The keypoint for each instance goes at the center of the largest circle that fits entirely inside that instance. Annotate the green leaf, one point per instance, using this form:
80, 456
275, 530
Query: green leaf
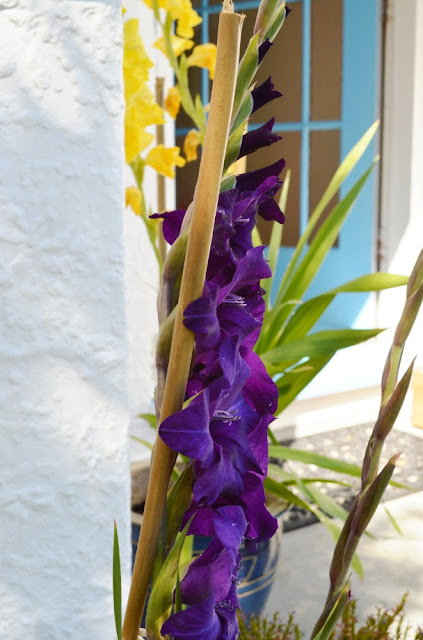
305, 317
309, 457
276, 237
144, 442
322, 242
393, 521
150, 418
161, 597
371, 282
256, 238
246, 72
295, 380
327, 504
340, 175
274, 322
117, 585
317, 344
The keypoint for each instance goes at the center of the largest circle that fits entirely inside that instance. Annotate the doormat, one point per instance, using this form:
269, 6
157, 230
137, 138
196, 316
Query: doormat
349, 445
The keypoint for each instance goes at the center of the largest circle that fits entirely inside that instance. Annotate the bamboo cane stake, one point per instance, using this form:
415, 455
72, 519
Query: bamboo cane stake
204, 210
161, 180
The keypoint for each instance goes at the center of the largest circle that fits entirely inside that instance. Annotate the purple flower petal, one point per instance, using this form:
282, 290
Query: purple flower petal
188, 432
258, 138
172, 222
263, 49
253, 179
259, 389
230, 525
195, 623
264, 93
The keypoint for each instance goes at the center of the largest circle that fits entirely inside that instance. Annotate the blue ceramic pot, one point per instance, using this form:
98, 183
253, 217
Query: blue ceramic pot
257, 571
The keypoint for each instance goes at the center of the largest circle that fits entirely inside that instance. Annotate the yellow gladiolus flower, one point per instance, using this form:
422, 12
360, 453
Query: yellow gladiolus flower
179, 45
182, 11
133, 199
191, 142
204, 55
164, 159
141, 112
136, 62
173, 102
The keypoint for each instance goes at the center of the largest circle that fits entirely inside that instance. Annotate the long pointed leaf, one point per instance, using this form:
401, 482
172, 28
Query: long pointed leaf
117, 585
293, 382
371, 282
322, 242
317, 344
341, 173
305, 317
309, 457
276, 238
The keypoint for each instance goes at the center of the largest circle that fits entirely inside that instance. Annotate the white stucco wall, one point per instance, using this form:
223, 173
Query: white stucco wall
64, 461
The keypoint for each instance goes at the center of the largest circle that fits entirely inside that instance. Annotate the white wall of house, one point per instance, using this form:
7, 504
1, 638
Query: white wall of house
402, 168
64, 458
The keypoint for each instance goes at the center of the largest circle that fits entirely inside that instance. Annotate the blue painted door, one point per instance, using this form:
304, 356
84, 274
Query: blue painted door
326, 62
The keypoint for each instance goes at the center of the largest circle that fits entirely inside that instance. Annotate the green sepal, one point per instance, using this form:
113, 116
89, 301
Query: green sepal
246, 72
334, 615
276, 23
228, 182
161, 597
233, 147
244, 112
178, 500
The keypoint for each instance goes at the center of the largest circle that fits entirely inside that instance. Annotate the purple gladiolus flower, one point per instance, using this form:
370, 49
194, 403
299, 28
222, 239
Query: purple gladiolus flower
258, 138
264, 93
263, 49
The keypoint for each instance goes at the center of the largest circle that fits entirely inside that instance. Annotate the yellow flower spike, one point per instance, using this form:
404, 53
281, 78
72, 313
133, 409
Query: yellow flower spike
179, 45
191, 142
204, 55
173, 102
133, 199
164, 159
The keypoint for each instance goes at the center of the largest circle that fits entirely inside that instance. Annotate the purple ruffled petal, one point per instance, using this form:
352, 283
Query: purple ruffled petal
172, 222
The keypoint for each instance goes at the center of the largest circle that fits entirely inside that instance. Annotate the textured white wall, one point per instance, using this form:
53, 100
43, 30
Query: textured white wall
64, 463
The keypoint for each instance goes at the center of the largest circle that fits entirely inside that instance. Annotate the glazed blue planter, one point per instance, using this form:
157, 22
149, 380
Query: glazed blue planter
257, 571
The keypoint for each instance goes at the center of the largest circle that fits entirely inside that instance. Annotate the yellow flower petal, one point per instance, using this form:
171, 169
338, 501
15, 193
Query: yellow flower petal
187, 18
173, 102
141, 112
133, 199
191, 142
164, 159
204, 55
136, 63
179, 45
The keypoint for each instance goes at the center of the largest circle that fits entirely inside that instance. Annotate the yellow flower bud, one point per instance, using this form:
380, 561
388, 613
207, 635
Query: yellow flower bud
133, 199
173, 102
191, 142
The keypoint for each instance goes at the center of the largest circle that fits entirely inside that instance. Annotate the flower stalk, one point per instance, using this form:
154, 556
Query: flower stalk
201, 228
373, 484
